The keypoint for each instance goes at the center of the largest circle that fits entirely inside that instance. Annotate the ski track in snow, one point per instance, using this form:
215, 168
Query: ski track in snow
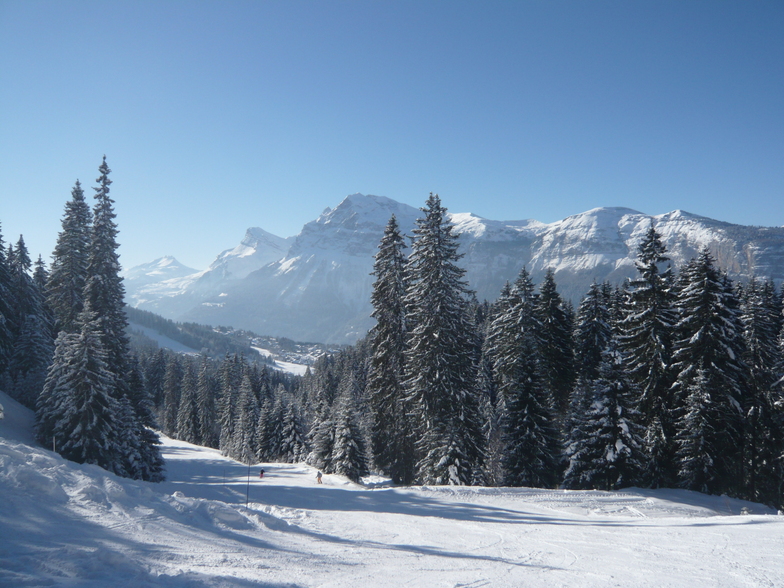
64, 524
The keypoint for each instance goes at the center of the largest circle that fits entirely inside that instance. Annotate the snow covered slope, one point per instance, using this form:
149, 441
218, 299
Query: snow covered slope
162, 340
65, 524
319, 290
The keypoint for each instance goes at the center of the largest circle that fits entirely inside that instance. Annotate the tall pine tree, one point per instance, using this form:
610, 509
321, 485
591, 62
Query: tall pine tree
348, 450
646, 340
605, 449
532, 451
32, 343
592, 331
440, 373
134, 447
68, 272
391, 432
555, 342
763, 402
76, 408
711, 379
104, 286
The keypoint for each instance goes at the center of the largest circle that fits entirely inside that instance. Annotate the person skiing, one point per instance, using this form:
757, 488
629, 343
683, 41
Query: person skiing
261, 473
318, 477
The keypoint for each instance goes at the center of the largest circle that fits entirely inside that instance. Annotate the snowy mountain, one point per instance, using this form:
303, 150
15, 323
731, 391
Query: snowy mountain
214, 524
161, 270
257, 249
171, 293
319, 289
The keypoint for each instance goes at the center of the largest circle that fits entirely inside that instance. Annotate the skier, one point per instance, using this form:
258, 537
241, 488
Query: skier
261, 473
318, 477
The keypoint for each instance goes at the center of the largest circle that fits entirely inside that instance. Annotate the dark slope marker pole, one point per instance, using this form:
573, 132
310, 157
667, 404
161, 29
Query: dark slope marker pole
247, 489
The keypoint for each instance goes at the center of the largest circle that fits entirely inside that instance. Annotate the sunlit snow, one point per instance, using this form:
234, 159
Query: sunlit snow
65, 524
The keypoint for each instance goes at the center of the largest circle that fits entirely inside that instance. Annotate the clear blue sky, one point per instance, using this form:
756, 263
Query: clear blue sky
217, 116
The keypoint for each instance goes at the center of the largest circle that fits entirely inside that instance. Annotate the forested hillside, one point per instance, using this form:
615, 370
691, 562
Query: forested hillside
670, 380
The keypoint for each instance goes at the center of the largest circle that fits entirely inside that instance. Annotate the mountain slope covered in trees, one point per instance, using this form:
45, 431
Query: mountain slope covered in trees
329, 264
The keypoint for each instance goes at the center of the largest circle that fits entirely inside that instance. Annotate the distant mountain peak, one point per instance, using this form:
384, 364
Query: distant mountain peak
255, 235
163, 268
362, 207
257, 248
682, 215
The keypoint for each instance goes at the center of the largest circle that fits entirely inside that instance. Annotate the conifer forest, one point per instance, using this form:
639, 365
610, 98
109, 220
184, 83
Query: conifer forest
672, 379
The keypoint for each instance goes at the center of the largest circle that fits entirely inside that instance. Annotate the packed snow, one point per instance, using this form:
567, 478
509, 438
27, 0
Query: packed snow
65, 524
289, 367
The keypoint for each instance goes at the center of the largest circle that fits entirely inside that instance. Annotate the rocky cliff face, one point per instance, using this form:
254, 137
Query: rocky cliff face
320, 290
316, 286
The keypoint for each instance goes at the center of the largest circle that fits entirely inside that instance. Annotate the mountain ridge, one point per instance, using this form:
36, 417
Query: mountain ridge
319, 288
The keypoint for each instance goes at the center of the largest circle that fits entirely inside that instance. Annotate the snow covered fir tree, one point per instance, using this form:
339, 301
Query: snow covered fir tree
64, 349
440, 356
531, 453
671, 379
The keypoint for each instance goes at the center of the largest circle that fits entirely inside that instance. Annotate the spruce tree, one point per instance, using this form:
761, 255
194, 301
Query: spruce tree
646, 341
275, 430
54, 393
243, 447
104, 286
532, 451
141, 422
579, 427
230, 379
264, 431
764, 403
321, 438
710, 382
24, 296
606, 447
172, 386
154, 374
30, 360
205, 403
391, 432
440, 376
592, 331
77, 407
68, 272
698, 446
555, 343
489, 407
32, 344
293, 448
139, 395
188, 428
348, 450
104, 295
